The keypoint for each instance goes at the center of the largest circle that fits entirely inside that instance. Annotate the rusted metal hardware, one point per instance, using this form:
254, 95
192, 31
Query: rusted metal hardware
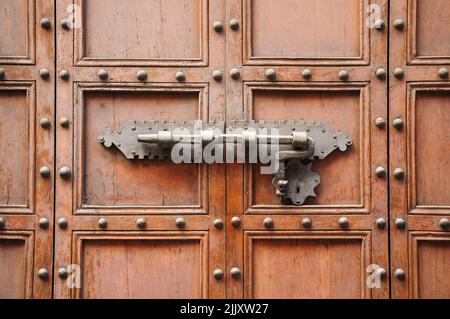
298, 145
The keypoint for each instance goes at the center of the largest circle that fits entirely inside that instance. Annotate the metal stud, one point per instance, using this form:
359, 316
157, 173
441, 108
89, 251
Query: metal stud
64, 122
65, 172
444, 223
399, 73
44, 74
2, 74
217, 75
236, 222
180, 223
234, 24
63, 223
103, 74
180, 76
399, 173
235, 74
2, 223
102, 223
381, 74
218, 274
381, 273
142, 75
235, 273
400, 223
343, 75
380, 172
307, 223
344, 222
271, 74
65, 24
268, 223
307, 74
64, 75
380, 24
399, 24
381, 223
218, 26
43, 274
443, 73
141, 223
63, 273
46, 123
45, 172
380, 122
400, 274
44, 223
398, 123
218, 223
46, 23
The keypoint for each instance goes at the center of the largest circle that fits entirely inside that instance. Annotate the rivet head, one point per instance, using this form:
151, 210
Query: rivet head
63, 223
235, 273
44, 223
180, 223
43, 274
307, 223
46, 23
64, 122
2, 74
381, 74
399, 24
268, 223
45, 122
399, 173
381, 223
343, 75
380, 122
236, 222
344, 222
45, 172
398, 123
381, 273
218, 274
63, 273
307, 74
44, 74
65, 24
444, 223
180, 76
2, 223
103, 74
380, 172
65, 172
218, 223
235, 74
218, 26
217, 75
64, 75
399, 73
400, 223
443, 73
380, 24
141, 223
400, 274
142, 75
271, 74
234, 24
102, 223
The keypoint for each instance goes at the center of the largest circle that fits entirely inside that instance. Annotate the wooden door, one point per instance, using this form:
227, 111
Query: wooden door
174, 48
420, 139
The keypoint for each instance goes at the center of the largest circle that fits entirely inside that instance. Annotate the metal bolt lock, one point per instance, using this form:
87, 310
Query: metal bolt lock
64, 75
380, 122
43, 274
64, 122
46, 123
2, 74
381, 223
235, 74
380, 172
218, 223
102, 223
142, 75
400, 223
307, 223
381, 273
307, 74
218, 26
103, 74
271, 74
2, 223
236, 222
65, 24
234, 24
381, 74
218, 274
400, 274
398, 123
217, 75
63, 223
235, 273
444, 223
399, 173
180, 76
343, 75
399, 24
63, 273
268, 223
344, 222
443, 73
141, 223
65, 172
399, 73
46, 23
180, 223
44, 74
44, 223
45, 172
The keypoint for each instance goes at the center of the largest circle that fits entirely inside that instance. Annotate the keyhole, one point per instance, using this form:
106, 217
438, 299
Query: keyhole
298, 189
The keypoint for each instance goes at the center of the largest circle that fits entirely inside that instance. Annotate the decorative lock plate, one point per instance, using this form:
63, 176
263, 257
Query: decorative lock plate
292, 145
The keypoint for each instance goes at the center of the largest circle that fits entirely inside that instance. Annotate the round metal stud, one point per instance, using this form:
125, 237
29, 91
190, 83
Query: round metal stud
444, 223
398, 123
217, 75
142, 75
380, 172
235, 273
65, 172
141, 223
399, 173
381, 273
44, 223
63, 273
344, 222
103, 74
44, 74
43, 274
2, 223
235, 74
381, 223
400, 274
307, 223
180, 222
64, 122
234, 24
307, 74
271, 74
102, 223
45, 172
218, 274
46, 123
399, 24
63, 223
400, 223
218, 26
180, 76
380, 24
268, 223
2, 74
46, 23
65, 24
343, 75
443, 73
218, 223
381, 74
399, 73
64, 75
380, 122
236, 222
